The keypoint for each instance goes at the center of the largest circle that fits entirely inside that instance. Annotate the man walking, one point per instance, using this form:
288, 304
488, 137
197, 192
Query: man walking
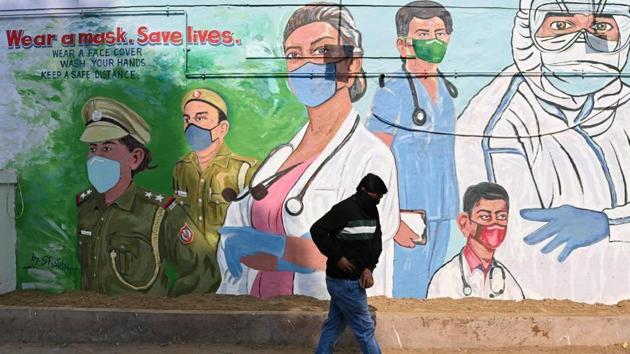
349, 235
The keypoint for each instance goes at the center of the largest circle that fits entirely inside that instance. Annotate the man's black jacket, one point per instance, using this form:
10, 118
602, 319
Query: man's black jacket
350, 229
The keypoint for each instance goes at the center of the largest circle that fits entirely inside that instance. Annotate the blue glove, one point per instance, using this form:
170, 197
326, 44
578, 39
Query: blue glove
246, 241
567, 224
286, 266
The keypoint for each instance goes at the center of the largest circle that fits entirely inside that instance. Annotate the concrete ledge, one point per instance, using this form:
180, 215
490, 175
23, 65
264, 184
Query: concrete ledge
394, 330
500, 331
82, 325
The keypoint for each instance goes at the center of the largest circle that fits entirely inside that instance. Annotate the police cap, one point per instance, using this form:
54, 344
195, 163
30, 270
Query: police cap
210, 97
107, 119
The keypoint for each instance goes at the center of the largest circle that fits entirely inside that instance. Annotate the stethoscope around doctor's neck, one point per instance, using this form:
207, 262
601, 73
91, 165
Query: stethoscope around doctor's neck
467, 289
419, 116
294, 205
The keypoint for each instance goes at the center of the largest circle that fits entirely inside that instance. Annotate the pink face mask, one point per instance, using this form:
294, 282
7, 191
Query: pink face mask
491, 236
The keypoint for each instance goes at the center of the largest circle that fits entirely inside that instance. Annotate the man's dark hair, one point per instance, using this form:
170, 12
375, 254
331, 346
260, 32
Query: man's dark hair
131, 143
484, 190
423, 10
222, 117
373, 184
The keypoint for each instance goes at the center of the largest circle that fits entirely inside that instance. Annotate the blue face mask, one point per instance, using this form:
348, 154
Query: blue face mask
315, 90
199, 138
577, 85
103, 173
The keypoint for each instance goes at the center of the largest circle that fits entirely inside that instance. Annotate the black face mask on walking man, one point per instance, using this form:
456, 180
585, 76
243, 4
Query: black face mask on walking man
370, 191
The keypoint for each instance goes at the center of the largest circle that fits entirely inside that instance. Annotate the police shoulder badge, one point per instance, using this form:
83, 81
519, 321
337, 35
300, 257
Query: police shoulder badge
186, 235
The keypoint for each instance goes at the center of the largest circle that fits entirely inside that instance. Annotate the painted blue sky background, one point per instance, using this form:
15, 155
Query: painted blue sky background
480, 42
477, 44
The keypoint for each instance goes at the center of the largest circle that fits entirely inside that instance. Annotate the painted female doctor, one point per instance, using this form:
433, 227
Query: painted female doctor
265, 248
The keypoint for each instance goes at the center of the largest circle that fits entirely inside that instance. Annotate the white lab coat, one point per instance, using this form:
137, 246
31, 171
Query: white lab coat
447, 282
337, 180
551, 171
550, 164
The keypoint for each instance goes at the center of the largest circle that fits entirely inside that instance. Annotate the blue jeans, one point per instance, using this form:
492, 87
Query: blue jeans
414, 267
348, 306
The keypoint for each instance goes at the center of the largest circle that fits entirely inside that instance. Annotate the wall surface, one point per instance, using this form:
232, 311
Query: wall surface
530, 95
8, 182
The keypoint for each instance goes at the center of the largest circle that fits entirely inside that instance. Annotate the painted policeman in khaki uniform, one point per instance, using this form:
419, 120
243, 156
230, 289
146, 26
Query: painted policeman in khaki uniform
129, 236
201, 176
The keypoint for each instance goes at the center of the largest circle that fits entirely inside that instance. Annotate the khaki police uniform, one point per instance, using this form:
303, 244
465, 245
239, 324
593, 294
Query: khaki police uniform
131, 244
200, 192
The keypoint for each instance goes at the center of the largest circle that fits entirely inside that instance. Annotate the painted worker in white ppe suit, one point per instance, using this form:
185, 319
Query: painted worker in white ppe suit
554, 130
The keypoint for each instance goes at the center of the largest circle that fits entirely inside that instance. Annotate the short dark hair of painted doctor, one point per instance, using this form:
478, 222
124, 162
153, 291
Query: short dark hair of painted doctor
484, 190
349, 235
423, 10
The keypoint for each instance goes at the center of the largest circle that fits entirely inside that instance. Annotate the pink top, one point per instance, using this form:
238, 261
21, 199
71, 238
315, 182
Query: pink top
473, 260
267, 217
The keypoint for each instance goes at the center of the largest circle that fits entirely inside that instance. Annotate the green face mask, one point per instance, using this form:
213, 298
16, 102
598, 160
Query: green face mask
432, 50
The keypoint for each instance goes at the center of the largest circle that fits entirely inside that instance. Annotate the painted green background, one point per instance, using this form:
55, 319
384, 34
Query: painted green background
54, 171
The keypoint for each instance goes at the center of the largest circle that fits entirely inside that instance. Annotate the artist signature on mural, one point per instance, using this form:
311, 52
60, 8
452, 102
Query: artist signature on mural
51, 262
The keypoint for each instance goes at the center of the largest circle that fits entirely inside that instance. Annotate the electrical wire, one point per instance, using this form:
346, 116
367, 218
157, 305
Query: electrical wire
150, 10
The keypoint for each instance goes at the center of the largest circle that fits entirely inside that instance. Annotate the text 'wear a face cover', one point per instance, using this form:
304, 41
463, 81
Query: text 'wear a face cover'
580, 46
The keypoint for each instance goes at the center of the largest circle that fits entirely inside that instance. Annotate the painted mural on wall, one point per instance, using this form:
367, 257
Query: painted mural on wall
203, 150
566, 170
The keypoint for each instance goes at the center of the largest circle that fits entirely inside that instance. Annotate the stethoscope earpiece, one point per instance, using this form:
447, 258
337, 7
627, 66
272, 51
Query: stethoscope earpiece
229, 195
259, 192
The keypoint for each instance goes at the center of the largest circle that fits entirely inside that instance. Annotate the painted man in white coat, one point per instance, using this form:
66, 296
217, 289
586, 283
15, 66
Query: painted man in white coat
553, 129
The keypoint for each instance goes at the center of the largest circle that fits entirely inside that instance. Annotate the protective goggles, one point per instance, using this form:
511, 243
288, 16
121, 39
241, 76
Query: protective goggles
557, 25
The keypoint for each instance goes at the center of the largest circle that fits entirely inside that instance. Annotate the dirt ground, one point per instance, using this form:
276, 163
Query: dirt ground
213, 302
19, 348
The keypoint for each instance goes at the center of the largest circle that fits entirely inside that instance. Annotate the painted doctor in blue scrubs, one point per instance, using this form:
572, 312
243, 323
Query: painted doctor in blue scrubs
407, 111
